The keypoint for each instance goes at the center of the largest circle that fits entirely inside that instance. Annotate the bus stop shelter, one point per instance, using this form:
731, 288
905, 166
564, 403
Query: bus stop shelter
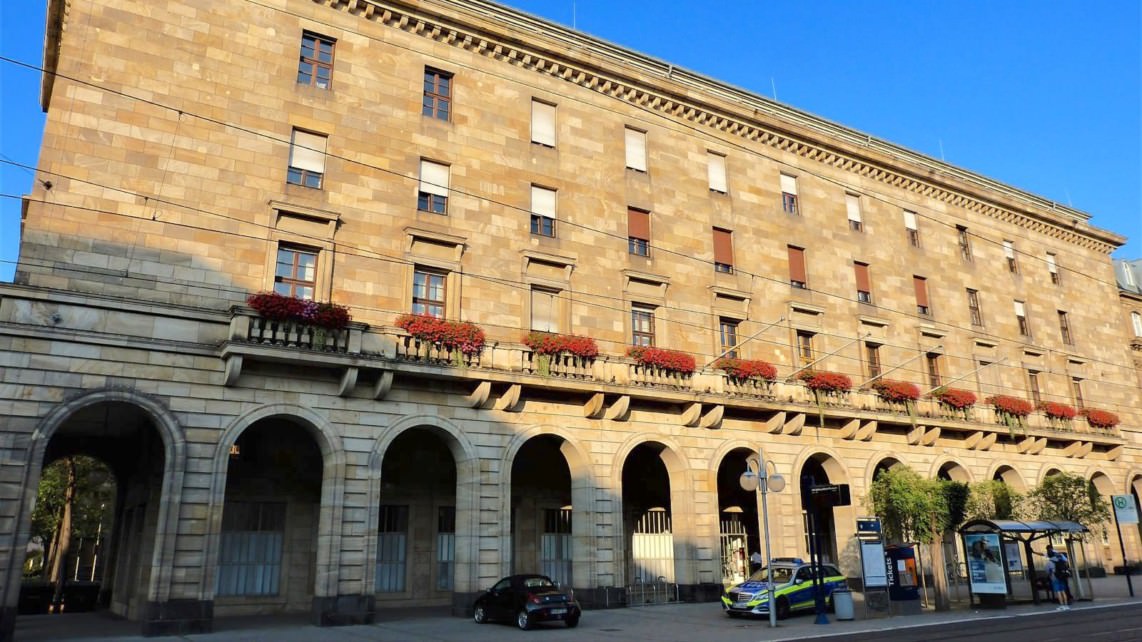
997, 549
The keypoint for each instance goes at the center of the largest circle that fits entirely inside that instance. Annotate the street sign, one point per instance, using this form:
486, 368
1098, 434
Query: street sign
868, 526
830, 494
1124, 509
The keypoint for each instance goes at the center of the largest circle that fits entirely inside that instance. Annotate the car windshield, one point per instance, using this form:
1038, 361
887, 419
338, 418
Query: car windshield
538, 583
781, 575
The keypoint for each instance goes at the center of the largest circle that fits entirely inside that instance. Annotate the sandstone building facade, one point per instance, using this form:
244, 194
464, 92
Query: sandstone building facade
464, 160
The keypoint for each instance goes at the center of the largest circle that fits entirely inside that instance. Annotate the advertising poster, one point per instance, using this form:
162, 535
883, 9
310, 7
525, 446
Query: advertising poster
985, 563
1011, 552
872, 558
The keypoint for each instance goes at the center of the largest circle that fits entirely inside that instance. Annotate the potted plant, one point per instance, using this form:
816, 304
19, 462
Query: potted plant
956, 400
547, 345
747, 369
829, 384
662, 359
1100, 418
461, 339
319, 318
896, 391
1057, 413
1010, 410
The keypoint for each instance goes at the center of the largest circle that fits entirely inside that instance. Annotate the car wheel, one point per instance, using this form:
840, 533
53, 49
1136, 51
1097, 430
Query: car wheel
572, 621
782, 608
523, 620
480, 615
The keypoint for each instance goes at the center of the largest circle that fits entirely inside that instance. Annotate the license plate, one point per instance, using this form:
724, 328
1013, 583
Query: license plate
740, 605
558, 611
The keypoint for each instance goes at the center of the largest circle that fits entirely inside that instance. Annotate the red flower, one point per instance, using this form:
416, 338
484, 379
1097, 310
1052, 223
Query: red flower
547, 343
466, 337
746, 369
1057, 410
825, 381
279, 307
1010, 405
671, 360
896, 391
1100, 418
956, 398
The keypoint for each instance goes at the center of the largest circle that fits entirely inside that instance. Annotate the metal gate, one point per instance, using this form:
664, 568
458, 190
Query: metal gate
652, 560
555, 545
735, 557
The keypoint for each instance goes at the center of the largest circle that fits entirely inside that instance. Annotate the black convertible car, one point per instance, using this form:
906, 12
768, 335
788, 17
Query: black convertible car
527, 599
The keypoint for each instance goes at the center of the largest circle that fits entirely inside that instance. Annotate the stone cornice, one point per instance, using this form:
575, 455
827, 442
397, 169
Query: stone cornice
497, 32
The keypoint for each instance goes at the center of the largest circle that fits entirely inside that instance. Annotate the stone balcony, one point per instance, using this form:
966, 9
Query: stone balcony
502, 375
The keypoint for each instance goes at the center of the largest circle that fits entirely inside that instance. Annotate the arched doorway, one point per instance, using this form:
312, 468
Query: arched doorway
737, 518
1101, 486
648, 524
1011, 477
542, 510
953, 471
884, 465
820, 469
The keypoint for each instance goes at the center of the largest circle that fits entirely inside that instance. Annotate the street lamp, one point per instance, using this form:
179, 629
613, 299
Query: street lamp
758, 477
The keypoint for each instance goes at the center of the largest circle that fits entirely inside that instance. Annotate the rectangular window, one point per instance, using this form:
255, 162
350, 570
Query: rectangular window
789, 194
973, 308
636, 149
728, 337
910, 226
1009, 254
933, 362
1021, 317
985, 379
316, 65
1053, 268
863, 282
872, 358
1065, 328
1136, 319
797, 272
1033, 387
638, 232
306, 159
250, 550
852, 206
542, 211
433, 194
723, 251
1077, 392
920, 285
805, 347
296, 272
716, 168
642, 325
965, 243
437, 94
545, 310
392, 549
542, 123
445, 547
555, 546
429, 292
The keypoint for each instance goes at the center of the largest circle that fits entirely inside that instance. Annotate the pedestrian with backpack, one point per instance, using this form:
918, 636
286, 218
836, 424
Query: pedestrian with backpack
1059, 571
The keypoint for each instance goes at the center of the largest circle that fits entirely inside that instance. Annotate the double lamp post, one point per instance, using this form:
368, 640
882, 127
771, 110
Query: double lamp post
758, 477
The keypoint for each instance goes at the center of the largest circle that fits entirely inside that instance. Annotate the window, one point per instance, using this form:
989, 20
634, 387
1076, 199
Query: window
1128, 272
973, 307
723, 251
545, 310
789, 194
852, 206
445, 546
542, 211
428, 292
805, 347
1053, 268
296, 272
316, 65
542, 123
716, 168
1021, 317
1009, 254
636, 149
638, 232
965, 243
1033, 387
797, 276
306, 159
1136, 319
392, 548
437, 94
728, 337
642, 325
250, 550
985, 378
433, 194
1077, 392
864, 286
920, 284
933, 361
872, 358
1065, 328
911, 227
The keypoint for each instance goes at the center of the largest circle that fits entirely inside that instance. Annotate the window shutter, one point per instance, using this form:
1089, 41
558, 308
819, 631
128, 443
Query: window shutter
636, 149
638, 224
1052, 267
797, 264
543, 201
1019, 311
909, 220
542, 123
852, 204
788, 184
863, 283
717, 172
1009, 249
921, 286
307, 151
433, 178
723, 247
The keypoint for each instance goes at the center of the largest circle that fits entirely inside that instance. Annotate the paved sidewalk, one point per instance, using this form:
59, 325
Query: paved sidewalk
668, 623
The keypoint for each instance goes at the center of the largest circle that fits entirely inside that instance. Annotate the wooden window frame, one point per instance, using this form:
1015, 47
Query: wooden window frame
425, 302
798, 267
288, 284
872, 359
723, 251
437, 104
804, 346
636, 244
923, 301
314, 60
1065, 328
932, 363
728, 337
642, 312
863, 282
307, 178
974, 310
965, 244
1033, 387
1077, 392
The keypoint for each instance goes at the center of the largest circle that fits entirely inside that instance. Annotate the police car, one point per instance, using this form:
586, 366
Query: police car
792, 589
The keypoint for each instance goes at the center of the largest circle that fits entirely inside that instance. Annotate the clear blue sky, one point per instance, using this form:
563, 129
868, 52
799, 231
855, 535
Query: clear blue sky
1044, 96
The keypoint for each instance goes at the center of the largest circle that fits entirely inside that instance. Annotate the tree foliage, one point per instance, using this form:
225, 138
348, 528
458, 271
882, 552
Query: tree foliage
94, 500
991, 499
1065, 497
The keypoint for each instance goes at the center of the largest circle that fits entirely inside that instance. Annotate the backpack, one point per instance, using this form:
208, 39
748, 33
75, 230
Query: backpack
1062, 569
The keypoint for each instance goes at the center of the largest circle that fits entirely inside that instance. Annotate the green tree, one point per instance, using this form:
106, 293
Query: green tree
991, 500
75, 496
1066, 497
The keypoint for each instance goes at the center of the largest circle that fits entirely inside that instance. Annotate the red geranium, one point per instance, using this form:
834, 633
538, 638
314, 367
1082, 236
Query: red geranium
825, 381
896, 391
1010, 405
1100, 418
466, 337
671, 360
279, 307
1055, 410
547, 343
955, 398
746, 368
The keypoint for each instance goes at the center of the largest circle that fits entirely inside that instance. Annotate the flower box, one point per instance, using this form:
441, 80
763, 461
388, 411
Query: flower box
826, 382
668, 360
954, 398
1057, 411
458, 338
1012, 406
550, 344
896, 391
278, 307
747, 369
1100, 418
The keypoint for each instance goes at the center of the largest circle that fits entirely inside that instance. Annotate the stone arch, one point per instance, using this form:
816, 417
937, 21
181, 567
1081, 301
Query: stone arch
1047, 470
1134, 482
174, 468
875, 462
332, 491
840, 524
1010, 476
719, 454
956, 471
836, 471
